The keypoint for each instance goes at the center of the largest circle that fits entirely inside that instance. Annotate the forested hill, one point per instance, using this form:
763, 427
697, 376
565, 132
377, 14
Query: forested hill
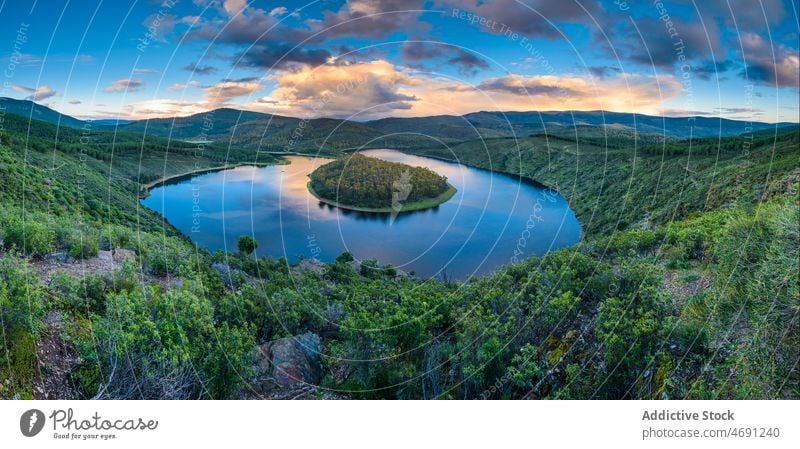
269, 132
373, 183
36, 111
622, 187
490, 124
684, 287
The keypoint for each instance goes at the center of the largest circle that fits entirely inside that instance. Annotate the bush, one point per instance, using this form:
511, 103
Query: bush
369, 268
29, 236
83, 246
247, 244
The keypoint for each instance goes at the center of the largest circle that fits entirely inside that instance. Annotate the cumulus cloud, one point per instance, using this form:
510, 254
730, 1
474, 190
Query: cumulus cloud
775, 65
36, 93
339, 90
125, 85
379, 89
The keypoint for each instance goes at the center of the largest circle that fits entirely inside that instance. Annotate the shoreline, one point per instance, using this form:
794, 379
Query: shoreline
409, 207
144, 189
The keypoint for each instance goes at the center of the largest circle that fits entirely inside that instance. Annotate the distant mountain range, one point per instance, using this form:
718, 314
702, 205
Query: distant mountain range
270, 132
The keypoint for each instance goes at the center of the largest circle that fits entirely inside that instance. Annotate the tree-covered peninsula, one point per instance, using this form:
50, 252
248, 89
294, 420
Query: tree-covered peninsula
373, 185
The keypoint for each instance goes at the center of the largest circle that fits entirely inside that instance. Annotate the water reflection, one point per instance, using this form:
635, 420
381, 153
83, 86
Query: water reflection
484, 225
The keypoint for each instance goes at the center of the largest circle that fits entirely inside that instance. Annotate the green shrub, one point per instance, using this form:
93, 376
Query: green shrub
247, 244
30, 237
83, 246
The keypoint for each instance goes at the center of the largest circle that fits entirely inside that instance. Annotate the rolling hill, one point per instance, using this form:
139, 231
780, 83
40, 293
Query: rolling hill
275, 133
520, 124
36, 111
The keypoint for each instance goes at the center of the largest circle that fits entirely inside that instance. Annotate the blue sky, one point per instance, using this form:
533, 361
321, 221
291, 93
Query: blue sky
364, 59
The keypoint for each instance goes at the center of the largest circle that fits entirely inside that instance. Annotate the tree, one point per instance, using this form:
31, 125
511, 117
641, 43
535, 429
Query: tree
247, 244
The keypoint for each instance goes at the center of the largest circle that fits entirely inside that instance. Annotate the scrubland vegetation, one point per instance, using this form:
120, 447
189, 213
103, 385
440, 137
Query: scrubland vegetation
685, 285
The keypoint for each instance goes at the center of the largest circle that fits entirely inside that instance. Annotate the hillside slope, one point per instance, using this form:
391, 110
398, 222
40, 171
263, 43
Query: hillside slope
613, 188
36, 111
648, 306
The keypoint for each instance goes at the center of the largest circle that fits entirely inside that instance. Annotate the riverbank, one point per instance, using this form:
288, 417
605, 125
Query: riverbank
144, 189
406, 207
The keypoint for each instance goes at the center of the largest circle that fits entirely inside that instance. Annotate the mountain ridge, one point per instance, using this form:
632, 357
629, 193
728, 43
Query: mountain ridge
251, 128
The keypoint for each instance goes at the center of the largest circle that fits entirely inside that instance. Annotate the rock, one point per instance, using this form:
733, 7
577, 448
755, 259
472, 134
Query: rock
313, 265
291, 362
105, 256
230, 276
121, 255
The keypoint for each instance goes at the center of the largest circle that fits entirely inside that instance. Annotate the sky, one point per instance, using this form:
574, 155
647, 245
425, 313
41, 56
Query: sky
367, 59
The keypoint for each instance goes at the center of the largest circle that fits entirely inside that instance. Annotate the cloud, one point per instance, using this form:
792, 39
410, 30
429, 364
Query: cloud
181, 86
234, 7
540, 18
736, 111
624, 92
160, 108
370, 19
379, 89
339, 90
274, 57
744, 15
145, 71
705, 70
520, 85
74, 102
25, 60
418, 52
279, 11
768, 64
227, 90
650, 42
603, 71
200, 69
159, 26
272, 43
125, 85
36, 94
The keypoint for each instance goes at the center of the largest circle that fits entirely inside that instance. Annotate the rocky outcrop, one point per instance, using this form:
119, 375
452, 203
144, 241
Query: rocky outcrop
121, 255
290, 362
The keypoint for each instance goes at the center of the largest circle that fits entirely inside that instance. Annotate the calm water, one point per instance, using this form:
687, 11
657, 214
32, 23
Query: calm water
492, 220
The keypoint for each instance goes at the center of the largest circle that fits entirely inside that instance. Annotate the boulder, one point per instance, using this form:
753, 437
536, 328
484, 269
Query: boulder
291, 362
121, 255
231, 277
